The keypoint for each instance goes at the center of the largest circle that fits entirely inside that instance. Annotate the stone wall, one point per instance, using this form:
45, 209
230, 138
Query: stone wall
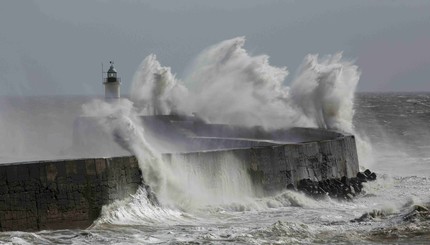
63, 194
70, 193
274, 167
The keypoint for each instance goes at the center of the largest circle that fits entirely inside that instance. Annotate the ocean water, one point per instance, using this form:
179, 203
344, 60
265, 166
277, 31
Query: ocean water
215, 203
397, 128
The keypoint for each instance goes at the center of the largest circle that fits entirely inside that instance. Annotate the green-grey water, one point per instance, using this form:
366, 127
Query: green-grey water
396, 126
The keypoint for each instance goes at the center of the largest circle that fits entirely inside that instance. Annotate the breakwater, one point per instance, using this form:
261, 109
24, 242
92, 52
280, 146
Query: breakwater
274, 167
71, 193
63, 193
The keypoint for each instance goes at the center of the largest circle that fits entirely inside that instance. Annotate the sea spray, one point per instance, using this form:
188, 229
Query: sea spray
155, 90
212, 181
180, 183
120, 121
226, 84
324, 90
138, 210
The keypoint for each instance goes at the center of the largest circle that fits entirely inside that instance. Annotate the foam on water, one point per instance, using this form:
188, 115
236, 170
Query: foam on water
214, 200
179, 185
138, 210
225, 85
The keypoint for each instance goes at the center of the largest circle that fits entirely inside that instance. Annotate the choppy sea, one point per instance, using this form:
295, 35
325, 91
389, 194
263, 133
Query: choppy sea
392, 210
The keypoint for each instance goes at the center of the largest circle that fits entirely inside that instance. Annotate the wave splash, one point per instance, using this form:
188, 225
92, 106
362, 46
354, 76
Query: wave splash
226, 85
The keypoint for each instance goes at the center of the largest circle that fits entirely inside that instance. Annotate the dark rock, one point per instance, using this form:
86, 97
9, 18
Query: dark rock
367, 172
291, 187
369, 175
362, 177
343, 188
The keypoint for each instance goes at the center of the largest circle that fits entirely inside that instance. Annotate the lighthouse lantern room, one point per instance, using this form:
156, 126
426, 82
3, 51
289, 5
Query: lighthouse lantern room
112, 83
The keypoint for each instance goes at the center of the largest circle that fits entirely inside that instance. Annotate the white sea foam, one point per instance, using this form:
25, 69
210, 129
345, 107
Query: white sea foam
225, 85
211, 182
228, 85
324, 89
181, 184
138, 210
155, 89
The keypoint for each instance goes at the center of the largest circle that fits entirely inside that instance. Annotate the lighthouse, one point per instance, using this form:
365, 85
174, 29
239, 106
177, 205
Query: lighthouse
112, 83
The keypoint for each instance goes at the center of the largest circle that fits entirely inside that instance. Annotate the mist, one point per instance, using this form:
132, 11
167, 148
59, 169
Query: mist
38, 128
226, 84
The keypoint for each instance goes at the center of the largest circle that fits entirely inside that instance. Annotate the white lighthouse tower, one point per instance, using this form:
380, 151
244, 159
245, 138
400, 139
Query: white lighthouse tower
112, 83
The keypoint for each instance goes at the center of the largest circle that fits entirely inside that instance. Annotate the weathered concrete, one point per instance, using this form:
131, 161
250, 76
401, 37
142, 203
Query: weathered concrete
63, 194
70, 193
275, 166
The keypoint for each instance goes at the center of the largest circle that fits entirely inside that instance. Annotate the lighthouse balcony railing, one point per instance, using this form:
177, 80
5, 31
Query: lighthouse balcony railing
111, 80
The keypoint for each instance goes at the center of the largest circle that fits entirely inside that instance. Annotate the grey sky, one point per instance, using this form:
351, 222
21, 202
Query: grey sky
56, 47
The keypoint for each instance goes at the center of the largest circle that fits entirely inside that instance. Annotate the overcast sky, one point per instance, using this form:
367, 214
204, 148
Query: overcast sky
56, 47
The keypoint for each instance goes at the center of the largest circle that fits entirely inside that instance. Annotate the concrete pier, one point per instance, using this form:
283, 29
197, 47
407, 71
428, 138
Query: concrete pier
62, 194
273, 167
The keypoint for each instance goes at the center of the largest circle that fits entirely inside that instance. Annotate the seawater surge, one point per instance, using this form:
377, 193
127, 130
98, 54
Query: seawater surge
177, 188
223, 137
180, 183
225, 84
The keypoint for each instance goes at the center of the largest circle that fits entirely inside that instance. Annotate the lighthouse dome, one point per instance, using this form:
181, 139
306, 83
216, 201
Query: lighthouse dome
111, 69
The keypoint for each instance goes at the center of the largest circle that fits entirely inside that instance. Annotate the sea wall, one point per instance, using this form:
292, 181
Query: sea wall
63, 194
274, 167
71, 193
